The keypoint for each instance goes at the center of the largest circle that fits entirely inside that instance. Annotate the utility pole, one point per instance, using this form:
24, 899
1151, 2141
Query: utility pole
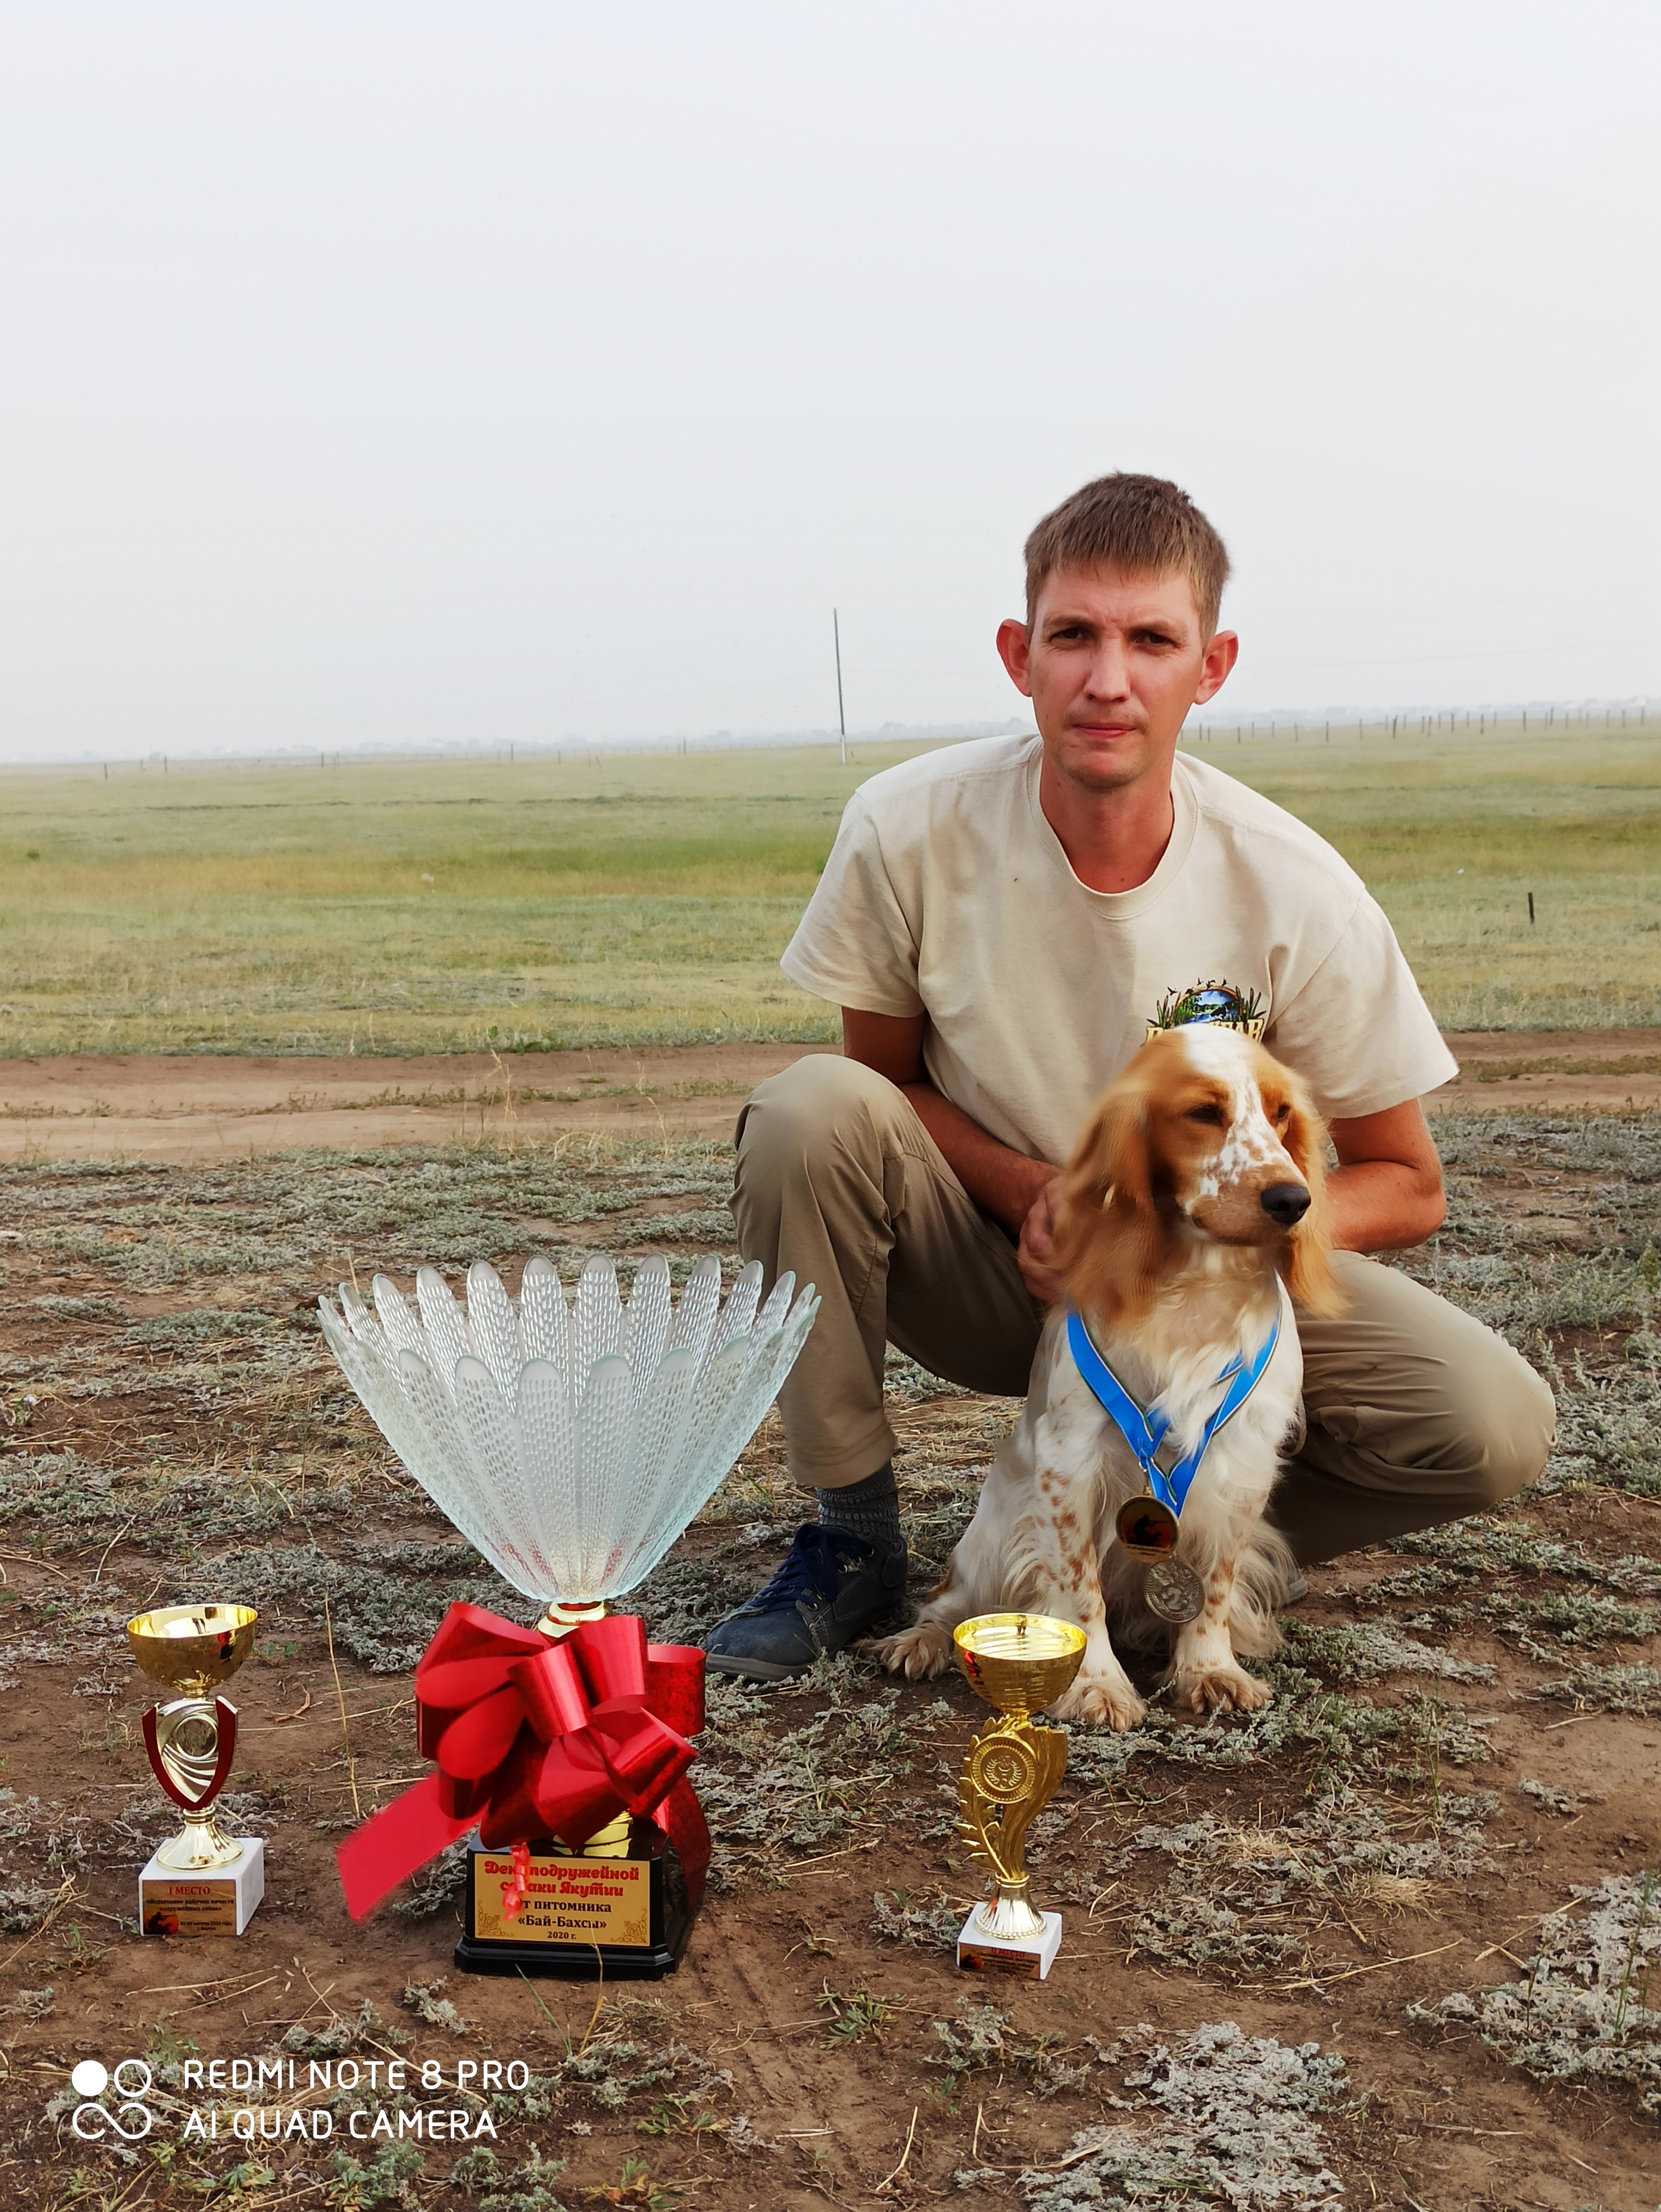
842, 718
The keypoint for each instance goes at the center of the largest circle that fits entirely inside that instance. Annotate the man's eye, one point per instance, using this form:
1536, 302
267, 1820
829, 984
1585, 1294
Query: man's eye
1211, 1116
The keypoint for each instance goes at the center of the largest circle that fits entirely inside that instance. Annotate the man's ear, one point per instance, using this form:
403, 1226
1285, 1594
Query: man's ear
1219, 658
1015, 650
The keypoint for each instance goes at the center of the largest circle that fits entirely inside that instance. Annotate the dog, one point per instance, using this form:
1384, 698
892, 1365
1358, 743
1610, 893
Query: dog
1192, 1209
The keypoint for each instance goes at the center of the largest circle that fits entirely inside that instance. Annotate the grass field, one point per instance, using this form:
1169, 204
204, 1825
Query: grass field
401, 907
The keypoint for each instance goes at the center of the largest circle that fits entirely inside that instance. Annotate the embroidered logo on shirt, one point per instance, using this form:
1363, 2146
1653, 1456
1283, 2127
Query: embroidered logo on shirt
1218, 1005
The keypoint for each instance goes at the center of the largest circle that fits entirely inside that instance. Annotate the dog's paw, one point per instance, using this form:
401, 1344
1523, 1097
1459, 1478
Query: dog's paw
1100, 1700
919, 1653
1218, 1689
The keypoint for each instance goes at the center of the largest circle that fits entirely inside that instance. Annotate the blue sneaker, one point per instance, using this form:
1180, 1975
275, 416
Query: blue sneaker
832, 1589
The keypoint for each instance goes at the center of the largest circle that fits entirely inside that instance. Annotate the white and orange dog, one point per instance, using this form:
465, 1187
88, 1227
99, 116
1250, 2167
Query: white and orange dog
1195, 1193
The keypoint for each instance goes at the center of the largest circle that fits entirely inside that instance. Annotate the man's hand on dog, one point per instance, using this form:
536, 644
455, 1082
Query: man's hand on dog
1037, 1252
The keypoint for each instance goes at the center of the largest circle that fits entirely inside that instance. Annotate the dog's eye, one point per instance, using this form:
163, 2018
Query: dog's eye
1282, 1115
1211, 1116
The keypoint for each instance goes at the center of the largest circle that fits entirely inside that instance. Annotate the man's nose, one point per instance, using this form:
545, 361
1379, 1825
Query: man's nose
1110, 672
1284, 1203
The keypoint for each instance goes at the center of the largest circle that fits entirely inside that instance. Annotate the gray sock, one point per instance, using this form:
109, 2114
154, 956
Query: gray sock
870, 1508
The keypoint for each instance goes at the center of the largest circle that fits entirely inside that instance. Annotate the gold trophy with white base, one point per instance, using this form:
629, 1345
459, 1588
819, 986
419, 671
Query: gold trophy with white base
201, 1881
1020, 1662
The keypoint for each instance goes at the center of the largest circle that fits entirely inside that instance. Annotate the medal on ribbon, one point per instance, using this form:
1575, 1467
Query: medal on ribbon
1172, 1591
1149, 1527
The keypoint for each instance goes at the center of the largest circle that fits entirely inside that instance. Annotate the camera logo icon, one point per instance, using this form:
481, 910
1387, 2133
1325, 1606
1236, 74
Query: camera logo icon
93, 2120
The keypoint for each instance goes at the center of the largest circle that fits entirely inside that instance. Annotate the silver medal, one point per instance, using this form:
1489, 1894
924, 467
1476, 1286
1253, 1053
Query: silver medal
1172, 1591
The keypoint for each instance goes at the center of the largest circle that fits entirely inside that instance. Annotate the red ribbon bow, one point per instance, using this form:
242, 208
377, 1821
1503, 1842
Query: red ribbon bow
534, 1738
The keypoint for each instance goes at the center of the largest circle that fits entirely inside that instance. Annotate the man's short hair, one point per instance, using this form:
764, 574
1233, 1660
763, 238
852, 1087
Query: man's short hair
1145, 526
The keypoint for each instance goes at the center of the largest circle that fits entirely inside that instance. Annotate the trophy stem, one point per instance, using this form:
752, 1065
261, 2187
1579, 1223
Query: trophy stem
201, 1844
1008, 1912
563, 1614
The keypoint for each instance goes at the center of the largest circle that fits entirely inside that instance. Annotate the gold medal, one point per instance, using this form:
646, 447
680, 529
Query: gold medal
1170, 1589
1146, 1528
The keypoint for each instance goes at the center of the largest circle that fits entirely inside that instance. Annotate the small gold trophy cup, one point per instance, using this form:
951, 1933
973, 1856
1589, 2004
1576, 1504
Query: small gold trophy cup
1020, 1662
201, 1881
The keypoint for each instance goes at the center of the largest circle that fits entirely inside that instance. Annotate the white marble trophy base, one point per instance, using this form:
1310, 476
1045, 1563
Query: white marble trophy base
219, 1901
1030, 1957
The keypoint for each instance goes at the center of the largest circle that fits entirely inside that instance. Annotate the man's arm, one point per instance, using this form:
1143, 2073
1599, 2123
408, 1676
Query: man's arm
1386, 1191
1002, 1182
1385, 1194
1013, 1189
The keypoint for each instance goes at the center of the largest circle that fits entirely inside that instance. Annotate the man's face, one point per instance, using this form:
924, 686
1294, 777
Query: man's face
1112, 664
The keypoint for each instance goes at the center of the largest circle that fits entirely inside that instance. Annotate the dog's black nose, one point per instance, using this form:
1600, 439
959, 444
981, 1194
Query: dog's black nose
1284, 1203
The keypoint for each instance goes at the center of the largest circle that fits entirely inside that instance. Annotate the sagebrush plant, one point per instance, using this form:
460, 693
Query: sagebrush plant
1589, 2008
897, 1918
980, 2039
768, 1791
1216, 2118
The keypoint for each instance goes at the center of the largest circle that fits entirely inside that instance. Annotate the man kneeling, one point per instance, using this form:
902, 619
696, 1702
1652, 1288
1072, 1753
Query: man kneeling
998, 921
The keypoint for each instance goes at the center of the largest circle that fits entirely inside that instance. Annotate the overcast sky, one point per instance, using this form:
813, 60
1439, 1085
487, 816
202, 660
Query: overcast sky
379, 373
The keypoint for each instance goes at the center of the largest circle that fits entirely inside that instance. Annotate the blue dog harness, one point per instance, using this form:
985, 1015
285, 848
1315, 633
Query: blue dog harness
1145, 1432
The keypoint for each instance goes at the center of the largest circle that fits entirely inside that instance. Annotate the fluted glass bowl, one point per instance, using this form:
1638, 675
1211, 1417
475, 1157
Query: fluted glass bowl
571, 1443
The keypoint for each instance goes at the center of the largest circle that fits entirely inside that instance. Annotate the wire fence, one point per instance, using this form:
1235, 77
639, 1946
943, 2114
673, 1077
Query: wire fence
1300, 728
1531, 721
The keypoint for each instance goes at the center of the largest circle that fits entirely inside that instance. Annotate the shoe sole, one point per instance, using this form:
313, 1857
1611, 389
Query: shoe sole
753, 1670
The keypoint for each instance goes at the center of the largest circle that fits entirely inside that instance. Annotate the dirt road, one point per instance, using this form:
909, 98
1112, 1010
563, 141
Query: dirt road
179, 1108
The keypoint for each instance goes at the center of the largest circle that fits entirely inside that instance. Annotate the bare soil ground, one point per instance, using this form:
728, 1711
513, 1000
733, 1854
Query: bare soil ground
185, 1108
182, 1108
1389, 1941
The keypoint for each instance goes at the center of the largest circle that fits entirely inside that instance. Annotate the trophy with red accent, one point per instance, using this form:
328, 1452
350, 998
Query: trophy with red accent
201, 1881
571, 1444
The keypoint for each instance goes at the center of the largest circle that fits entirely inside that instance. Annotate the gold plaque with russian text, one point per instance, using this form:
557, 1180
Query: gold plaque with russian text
569, 1900
189, 1908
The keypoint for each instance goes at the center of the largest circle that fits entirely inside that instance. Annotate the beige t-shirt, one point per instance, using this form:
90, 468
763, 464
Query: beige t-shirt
948, 894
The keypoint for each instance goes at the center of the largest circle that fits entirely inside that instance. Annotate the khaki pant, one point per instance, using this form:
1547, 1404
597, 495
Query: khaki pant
1417, 1414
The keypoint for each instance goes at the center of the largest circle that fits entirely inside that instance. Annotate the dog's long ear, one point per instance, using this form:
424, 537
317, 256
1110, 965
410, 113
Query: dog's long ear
1109, 1242
1310, 1275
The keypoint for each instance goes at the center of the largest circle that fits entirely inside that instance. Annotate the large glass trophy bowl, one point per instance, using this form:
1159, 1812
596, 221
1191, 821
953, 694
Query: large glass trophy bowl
571, 1443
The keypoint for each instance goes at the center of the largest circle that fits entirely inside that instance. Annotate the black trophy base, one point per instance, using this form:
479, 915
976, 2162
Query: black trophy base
616, 1915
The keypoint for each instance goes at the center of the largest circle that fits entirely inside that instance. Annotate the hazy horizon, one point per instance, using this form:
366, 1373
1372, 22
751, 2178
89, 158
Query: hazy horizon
400, 376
